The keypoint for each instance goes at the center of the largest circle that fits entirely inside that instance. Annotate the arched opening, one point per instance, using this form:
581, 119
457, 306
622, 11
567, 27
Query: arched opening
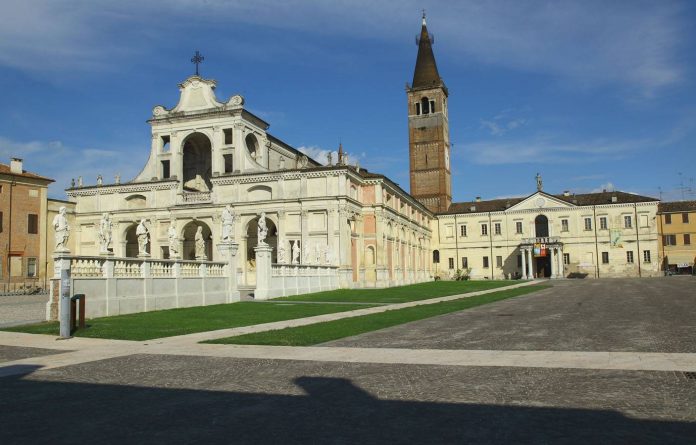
189, 240
136, 202
370, 271
197, 163
132, 242
541, 226
425, 106
252, 145
252, 241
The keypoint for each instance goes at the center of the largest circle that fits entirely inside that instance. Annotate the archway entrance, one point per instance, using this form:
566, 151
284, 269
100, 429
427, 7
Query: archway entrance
189, 240
541, 226
197, 163
252, 241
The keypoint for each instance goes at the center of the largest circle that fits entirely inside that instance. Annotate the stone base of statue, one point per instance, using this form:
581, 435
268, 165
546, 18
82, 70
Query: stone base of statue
106, 253
201, 258
61, 251
263, 271
229, 250
144, 255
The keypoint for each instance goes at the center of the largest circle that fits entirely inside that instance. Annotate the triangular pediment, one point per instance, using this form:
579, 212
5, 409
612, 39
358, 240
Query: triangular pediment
540, 200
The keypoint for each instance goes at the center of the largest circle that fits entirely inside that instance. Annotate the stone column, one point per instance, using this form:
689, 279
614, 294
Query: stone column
554, 273
263, 272
216, 165
228, 251
561, 266
524, 263
530, 276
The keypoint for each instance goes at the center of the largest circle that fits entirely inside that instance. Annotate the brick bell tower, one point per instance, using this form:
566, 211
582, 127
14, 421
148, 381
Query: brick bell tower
428, 130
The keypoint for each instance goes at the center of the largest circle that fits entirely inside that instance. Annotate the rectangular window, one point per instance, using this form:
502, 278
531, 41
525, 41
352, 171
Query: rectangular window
228, 136
605, 257
566, 258
685, 218
687, 239
669, 240
484, 229
165, 170
496, 227
518, 227
465, 262
451, 263
462, 230
646, 256
499, 262
629, 257
33, 223
628, 222
31, 267
644, 221
668, 219
564, 225
228, 163
603, 223
588, 223
485, 262
165, 144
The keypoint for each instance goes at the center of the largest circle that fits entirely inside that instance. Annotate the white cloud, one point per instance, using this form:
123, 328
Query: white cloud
637, 43
55, 160
502, 123
607, 187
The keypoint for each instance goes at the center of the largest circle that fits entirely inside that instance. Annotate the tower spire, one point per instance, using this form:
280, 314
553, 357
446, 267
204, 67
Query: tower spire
425, 74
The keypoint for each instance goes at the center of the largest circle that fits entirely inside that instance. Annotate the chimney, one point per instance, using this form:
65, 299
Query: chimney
472, 208
478, 199
566, 193
614, 198
16, 166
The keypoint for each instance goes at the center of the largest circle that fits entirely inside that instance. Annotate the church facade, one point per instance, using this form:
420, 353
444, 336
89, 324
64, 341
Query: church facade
207, 154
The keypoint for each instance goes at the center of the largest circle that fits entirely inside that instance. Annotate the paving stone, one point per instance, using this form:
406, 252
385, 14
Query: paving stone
638, 315
175, 399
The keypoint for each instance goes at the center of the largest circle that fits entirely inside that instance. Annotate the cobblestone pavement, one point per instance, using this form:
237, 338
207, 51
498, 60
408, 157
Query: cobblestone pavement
11, 353
22, 309
174, 399
641, 315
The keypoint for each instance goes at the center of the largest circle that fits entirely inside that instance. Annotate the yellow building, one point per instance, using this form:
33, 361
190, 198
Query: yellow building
677, 226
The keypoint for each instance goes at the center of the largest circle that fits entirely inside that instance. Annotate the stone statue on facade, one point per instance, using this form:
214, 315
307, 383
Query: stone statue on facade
173, 240
100, 180
105, 233
306, 254
329, 159
262, 232
540, 185
200, 245
143, 238
62, 230
228, 224
79, 181
282, 252
117, 178
295, 252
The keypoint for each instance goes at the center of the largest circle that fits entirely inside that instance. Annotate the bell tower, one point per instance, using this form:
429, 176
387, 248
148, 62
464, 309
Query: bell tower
428, 130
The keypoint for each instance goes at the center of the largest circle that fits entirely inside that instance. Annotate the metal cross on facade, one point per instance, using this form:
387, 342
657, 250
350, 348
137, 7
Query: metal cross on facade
197, 59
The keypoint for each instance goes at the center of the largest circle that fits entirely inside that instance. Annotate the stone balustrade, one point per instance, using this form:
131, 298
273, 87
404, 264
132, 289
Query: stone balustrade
115, 286
542, 240
194, 198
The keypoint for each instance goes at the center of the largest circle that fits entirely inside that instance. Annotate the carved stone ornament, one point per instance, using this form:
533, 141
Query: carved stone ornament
236, 101
159, 110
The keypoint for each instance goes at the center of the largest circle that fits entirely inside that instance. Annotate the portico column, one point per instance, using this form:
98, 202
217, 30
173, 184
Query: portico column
524, 263
553, 263
531, 265
561, 272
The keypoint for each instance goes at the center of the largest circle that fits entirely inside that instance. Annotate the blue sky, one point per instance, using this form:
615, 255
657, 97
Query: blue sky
591, 94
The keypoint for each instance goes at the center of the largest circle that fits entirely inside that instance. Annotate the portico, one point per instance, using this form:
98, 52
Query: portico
538, 254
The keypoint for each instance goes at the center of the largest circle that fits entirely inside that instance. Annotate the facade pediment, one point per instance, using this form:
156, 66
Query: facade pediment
198, 94
540, 200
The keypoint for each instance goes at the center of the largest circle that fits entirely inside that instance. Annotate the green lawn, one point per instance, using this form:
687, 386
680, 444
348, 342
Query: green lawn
401, 294
333, 330
149, 325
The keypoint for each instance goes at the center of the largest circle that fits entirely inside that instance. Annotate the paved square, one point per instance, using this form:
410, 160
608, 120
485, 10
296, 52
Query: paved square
646, 315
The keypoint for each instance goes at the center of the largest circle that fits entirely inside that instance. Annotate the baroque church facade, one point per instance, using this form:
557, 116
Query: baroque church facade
207, 154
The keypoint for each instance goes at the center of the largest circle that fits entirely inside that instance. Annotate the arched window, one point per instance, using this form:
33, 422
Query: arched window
541, 226
425, 106
436, 256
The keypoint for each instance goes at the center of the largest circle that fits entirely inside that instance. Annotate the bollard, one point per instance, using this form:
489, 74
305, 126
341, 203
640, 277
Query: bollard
73, 312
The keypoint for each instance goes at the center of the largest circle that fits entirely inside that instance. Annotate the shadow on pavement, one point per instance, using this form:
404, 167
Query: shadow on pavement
333, 411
